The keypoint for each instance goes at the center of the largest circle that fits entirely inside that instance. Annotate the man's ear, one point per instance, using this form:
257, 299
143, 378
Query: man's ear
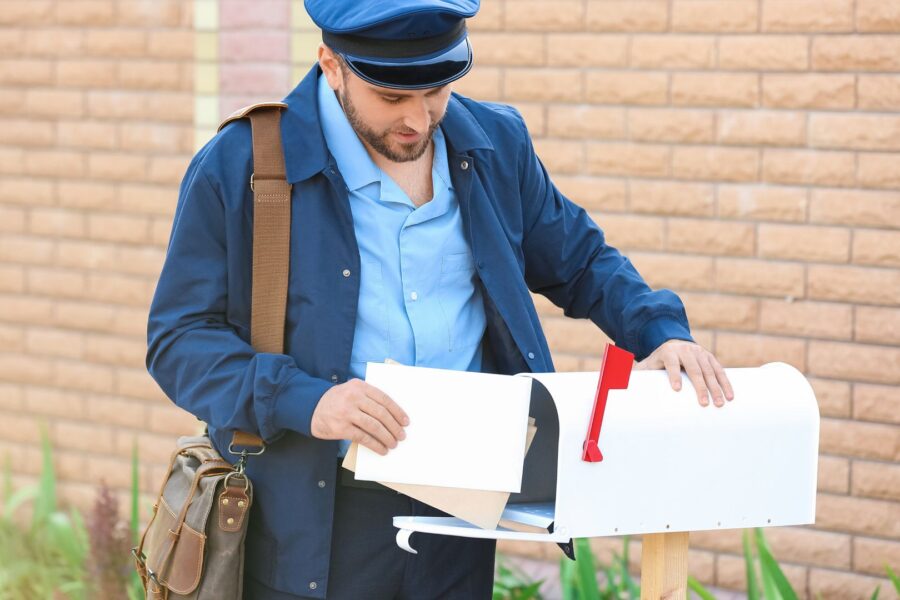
330, 66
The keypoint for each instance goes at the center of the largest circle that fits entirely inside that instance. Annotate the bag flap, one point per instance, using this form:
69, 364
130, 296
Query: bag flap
181, 570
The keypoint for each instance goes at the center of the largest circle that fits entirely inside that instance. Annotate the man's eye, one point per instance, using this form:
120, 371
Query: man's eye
390, 100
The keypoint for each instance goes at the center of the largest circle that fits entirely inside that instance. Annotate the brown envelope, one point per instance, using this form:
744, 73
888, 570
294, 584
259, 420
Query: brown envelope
479, 507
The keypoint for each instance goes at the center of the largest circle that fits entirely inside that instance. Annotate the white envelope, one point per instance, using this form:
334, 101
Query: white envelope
467, 430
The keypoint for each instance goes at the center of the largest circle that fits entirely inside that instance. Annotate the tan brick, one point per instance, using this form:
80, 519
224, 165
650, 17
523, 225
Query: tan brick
34, 12
137, 383
808, 167
866, 285
859, 439
117, 166
117, 412
26, 249
764, 53
179, 106
54, 103
54, 342
832, 396
115, 350
584, 121
833, 474
806, 319
12, 219
814, 90
560, 156
11, 101
482, 84
118, 227
26, 132
167, 169
715, 89
55, 282
53, 401
594, 193
12, 339
870, 555
719, 311
540, 15
825, 583
877, 16
20, 368
171, 44
876, 247
762, 128
149, 74
632, 232
147, 199
627, 15
12, 161
575, 336
760, 277
855, 131
86, 73
166, 13
856, 53
18, 308
543, 84
857, 362
725, 16
511, 49
12, 278
533, 115
85, 12
26, 72
118, 42
625, 87
79, 375
879, 170
585, 50
52, 42
88, 255
17, 428
753, 350
763, 202
702, 236
55, 163
803, 242
610, 158
876, 480
489, 18
103, 104
673, 271
119, 289
169, 419
855, 207
715, 163
876, 403
84, 316
731, 572
87, 134
670, 198
140, 260
24, 190
56, 222
810, 546
671, 51
807, 15
86, 195
671, 125
857, 515
878, 92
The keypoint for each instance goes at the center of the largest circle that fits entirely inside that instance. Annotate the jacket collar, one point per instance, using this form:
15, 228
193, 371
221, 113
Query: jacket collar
306, 152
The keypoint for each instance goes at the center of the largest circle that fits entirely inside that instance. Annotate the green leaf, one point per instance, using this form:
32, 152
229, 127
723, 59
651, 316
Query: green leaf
772, 575
586, 572
135, 493
894, 579
45, 502
875, 593
17, 499
752, 581
566, 577
698, 589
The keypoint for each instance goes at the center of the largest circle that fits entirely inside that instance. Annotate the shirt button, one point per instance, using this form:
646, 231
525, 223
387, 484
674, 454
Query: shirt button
313, 585
464, 165
346, 272
334, 377
531, 355
322, 483
414, 296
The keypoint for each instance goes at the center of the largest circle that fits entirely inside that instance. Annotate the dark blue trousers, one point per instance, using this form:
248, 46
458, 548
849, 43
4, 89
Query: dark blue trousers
367, 564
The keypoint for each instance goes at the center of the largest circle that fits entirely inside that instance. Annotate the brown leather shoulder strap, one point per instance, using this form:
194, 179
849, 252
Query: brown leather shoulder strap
271, 235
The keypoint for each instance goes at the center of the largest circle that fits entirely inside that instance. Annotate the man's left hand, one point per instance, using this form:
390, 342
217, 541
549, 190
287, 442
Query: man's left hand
704, 371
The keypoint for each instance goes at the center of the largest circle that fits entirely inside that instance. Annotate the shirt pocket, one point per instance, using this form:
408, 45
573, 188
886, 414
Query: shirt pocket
457, 294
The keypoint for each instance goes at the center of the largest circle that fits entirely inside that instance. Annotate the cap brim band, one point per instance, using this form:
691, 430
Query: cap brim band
408, 74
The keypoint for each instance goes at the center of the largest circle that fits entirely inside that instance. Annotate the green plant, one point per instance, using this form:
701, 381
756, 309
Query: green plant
510, 583
579, 579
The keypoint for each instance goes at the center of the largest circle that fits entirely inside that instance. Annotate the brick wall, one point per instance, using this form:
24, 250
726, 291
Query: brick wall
745, 153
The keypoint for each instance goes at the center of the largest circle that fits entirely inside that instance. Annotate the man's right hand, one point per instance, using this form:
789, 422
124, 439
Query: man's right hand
361, 413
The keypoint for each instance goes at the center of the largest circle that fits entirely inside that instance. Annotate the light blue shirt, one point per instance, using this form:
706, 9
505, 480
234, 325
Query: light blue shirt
418, 301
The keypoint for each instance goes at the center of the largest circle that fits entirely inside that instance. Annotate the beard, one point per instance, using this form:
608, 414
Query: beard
381, 142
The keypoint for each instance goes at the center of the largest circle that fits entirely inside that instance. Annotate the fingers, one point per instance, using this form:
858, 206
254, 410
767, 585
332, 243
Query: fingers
722, 378
709, 377
383, 416
365, 439
695, 374
673, 368
374, 428
384, 400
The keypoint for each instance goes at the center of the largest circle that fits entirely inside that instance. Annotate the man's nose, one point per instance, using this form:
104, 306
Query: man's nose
418, 117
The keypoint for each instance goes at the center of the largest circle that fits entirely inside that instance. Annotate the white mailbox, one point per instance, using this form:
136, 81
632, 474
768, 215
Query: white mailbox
668, 463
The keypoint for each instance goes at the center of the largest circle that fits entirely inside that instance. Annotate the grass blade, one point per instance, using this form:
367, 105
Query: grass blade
585, 571
894, 579
752, 581
45, 502
698, 589
773, 577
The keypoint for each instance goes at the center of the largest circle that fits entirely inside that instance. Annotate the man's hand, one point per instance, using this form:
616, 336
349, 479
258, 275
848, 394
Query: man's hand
361, 413
701, 366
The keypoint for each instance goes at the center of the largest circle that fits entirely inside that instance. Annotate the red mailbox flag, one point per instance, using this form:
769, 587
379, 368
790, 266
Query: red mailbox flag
614, 374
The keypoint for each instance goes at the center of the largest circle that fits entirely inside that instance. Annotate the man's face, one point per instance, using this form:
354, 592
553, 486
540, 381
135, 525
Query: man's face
398, 124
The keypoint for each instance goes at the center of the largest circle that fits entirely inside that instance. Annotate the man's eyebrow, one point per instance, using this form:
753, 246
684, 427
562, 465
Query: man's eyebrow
393, 93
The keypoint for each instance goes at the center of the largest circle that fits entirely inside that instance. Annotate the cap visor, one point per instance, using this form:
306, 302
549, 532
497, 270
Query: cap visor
417, 73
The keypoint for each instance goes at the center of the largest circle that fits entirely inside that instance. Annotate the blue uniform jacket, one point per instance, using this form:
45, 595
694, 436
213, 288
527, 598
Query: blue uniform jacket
524, 235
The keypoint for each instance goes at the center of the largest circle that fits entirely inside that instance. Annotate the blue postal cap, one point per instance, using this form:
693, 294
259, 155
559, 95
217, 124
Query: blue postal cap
402, 44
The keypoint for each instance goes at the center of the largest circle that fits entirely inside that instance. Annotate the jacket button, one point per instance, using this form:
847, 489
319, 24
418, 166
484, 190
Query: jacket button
464, 165
346, 272
322, 483
531, 355
313, 585
334, 378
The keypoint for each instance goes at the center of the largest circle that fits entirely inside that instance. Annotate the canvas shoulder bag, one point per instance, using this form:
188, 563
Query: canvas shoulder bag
193, 545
